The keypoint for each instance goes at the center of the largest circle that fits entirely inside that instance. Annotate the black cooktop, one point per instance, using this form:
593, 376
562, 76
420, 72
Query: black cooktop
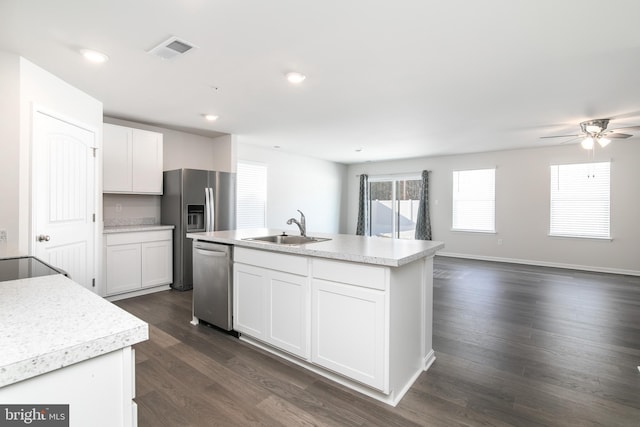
25, 267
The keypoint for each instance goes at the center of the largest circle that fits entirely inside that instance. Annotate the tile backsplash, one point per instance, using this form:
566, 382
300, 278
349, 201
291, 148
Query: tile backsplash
130, 209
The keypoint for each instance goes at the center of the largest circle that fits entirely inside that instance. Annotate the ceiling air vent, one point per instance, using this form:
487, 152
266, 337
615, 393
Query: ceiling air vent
171, 48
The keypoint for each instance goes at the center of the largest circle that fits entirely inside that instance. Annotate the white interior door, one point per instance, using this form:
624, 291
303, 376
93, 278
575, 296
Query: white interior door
63, 197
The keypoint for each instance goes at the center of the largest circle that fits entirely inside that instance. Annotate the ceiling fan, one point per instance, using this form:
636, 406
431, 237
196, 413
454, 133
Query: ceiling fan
596, 131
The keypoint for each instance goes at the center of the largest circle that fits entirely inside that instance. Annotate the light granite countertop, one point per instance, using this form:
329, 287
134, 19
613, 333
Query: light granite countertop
345, 247
49, 322
134, 228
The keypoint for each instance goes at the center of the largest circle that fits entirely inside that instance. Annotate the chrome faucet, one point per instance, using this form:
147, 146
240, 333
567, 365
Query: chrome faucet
302, 225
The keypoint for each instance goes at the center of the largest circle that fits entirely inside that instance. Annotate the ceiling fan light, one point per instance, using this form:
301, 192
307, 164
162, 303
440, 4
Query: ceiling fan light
603, 142
587, 143
593, 128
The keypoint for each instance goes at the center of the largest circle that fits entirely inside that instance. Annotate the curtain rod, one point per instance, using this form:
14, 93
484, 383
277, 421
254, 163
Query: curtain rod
392, 174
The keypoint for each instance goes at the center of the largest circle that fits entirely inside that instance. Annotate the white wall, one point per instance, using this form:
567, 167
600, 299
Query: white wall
9, 151
522, 206
187, 150
25, 86
316, 187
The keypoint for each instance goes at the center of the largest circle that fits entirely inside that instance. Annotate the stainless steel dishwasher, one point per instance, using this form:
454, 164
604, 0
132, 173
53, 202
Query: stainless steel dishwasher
212, 283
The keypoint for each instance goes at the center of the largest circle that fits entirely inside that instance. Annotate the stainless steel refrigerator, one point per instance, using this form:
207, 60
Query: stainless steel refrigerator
195, 200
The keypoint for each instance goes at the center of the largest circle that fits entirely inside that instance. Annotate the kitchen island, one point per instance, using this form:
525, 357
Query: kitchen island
62, 344
355, 309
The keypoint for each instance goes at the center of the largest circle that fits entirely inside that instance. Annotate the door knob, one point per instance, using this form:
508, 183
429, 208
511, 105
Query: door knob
44, 238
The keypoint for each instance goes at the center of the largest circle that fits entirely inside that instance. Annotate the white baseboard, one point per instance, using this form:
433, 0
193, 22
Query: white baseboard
137, 293
543, 263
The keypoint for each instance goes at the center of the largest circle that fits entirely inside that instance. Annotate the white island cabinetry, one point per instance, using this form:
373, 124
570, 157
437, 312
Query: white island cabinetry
354, 309
349, 317
271, 299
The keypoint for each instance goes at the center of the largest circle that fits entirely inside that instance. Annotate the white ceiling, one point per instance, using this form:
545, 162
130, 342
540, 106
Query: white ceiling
398, 79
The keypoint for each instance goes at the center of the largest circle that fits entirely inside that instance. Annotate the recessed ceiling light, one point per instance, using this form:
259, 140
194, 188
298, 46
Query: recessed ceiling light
94, 56
295, 77
211, 117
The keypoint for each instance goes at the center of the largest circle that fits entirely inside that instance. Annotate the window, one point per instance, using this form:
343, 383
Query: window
394, 206
251, 204
580, 200
474, 200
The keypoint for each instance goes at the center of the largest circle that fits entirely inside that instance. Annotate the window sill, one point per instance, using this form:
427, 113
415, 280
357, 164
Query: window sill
474, 231
570, 236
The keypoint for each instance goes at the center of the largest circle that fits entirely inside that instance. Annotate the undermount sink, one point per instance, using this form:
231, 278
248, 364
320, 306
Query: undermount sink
283, 239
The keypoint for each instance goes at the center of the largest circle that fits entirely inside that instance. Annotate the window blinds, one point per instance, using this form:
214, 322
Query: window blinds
580, 200
251, 201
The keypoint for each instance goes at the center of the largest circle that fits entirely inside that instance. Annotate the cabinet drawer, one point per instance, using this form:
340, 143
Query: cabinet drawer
272, 260
137, 237
368, 276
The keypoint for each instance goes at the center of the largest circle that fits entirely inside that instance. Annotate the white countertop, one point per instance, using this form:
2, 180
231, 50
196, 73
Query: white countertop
50, 322
345, 247
134, 228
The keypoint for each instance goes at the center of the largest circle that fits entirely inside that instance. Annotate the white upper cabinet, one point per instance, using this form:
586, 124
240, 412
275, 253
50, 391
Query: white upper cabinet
132, 160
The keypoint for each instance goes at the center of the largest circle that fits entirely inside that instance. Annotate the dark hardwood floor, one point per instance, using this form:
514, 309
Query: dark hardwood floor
515, 345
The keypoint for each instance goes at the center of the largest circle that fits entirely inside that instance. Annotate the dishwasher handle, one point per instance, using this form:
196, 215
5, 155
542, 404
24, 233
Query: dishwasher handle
209, 253
201, 246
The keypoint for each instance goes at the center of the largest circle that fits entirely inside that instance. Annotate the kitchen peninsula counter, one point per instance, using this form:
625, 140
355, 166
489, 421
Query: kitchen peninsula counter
62, 344
355, 309
51, 322
345, 247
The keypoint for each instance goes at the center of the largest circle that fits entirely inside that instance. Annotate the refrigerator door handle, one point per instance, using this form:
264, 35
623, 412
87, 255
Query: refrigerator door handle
206, 209
209, 207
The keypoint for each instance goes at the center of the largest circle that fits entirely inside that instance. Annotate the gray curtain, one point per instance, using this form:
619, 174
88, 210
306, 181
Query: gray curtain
364, 220
423, 226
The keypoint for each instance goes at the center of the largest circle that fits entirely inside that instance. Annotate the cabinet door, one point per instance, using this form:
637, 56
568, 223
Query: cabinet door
288, 313
348, 331
117, 160
157, 263
147, 162
249, 300
100, 385
123, 268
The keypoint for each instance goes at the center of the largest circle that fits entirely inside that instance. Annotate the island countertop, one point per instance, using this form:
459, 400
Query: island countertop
50, 322
345, 247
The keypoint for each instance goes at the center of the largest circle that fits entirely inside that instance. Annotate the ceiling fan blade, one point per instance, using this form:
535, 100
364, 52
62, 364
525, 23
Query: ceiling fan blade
615, 135
559, 136
572, 139
626, 128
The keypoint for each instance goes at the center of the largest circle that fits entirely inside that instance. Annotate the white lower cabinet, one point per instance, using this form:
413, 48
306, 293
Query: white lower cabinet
249, 300
99, 391
136, 261
288, 309
123, 266
348, 331
157, 262
272, 305
365, 326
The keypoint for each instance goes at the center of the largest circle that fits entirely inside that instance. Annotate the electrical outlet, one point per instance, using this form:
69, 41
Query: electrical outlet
118, 207
499, 242
3, 235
